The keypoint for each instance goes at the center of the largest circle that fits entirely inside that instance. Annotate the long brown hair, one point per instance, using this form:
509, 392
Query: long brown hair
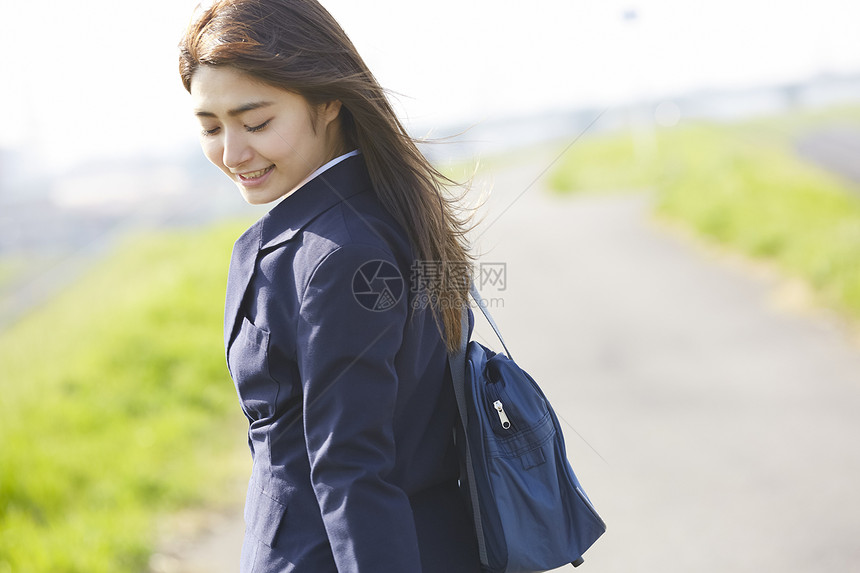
297, 45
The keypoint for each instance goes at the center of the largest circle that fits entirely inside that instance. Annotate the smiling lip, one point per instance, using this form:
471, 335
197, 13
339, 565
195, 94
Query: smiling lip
252, 176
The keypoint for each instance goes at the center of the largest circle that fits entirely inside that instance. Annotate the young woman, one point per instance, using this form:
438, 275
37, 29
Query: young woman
340, 308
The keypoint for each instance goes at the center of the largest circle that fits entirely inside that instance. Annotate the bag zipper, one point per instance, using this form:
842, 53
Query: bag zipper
505, 411
503, 417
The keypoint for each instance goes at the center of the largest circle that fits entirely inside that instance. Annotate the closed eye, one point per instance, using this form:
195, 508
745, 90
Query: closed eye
256, 128
212, 131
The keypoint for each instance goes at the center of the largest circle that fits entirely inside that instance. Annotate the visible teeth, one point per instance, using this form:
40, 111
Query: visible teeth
254, 174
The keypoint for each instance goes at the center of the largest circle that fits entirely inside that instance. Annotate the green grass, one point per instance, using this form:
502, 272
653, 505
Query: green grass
606, 162
741, 185
115, 406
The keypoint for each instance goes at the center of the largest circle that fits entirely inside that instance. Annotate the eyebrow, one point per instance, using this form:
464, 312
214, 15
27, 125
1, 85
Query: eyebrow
237, 111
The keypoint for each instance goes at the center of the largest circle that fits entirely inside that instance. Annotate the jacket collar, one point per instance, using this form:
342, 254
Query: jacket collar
284, 221
318, 195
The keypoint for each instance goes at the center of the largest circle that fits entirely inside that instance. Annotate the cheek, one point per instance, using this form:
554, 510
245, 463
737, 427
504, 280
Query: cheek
275, 145
213, 150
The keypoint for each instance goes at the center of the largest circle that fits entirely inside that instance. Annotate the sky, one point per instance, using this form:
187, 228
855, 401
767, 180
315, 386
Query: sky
96, 79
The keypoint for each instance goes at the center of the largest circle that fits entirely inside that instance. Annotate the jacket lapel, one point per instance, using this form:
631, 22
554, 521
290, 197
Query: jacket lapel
242, 263
282, 223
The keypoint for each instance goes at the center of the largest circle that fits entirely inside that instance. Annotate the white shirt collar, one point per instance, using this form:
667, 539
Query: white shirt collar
328, 166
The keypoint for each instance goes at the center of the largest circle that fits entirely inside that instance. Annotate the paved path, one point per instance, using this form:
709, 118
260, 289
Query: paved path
728, 427
714, 431
835, 148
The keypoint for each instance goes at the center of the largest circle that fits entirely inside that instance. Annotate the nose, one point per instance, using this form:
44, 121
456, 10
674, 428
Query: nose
236, 149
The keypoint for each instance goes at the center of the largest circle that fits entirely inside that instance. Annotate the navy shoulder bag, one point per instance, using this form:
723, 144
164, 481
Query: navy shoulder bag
530, 511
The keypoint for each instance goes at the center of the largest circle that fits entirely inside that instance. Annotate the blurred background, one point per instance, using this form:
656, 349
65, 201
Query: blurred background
672, 171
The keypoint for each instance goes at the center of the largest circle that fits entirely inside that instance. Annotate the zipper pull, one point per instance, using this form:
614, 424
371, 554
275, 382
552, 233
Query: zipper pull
506, 424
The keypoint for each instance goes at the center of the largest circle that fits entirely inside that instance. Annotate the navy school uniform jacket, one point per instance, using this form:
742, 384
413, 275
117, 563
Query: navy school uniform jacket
346, 389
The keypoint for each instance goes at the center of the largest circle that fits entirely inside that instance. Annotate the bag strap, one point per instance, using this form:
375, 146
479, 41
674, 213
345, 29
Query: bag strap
457, 362
486, 312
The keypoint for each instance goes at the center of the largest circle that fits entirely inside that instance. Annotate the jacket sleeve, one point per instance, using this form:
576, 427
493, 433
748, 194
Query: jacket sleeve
347, 339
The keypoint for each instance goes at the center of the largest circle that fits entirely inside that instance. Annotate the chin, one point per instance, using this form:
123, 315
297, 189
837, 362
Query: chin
257, 198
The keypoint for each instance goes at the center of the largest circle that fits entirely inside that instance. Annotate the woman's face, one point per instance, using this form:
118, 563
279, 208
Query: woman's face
266, 139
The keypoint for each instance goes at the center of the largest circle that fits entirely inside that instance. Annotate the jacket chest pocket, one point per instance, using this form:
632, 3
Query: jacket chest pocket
248, 359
